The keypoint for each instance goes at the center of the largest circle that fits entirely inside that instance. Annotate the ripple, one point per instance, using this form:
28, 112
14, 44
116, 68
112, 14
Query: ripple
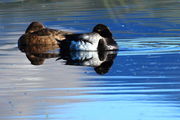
153, 45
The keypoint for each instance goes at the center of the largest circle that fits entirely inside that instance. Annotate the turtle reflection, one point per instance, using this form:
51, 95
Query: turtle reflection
101, 61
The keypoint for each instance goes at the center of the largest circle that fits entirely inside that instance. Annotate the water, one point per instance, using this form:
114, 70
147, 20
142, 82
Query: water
139, 82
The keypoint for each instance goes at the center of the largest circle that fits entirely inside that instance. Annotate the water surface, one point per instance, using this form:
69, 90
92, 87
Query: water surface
139, 82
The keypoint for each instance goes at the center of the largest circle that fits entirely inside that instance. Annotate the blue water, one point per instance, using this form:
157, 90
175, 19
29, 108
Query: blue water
138, 82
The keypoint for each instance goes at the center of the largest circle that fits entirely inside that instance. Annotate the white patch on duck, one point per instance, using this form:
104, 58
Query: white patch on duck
86, 42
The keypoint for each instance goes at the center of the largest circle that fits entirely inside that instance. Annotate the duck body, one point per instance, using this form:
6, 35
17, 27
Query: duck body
94, 41
81, 42
37, 34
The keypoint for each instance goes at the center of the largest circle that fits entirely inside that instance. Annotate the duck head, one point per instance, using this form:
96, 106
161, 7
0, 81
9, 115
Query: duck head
103, 30
107, 43
34, 26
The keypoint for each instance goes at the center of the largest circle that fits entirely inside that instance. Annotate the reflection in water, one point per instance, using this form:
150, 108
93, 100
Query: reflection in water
101, 61
37, 54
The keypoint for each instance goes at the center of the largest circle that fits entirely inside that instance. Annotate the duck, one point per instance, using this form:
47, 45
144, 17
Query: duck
37, 34
99, 39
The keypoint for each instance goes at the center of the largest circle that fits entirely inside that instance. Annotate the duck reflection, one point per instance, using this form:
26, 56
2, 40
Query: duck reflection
101, 61
37, 54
